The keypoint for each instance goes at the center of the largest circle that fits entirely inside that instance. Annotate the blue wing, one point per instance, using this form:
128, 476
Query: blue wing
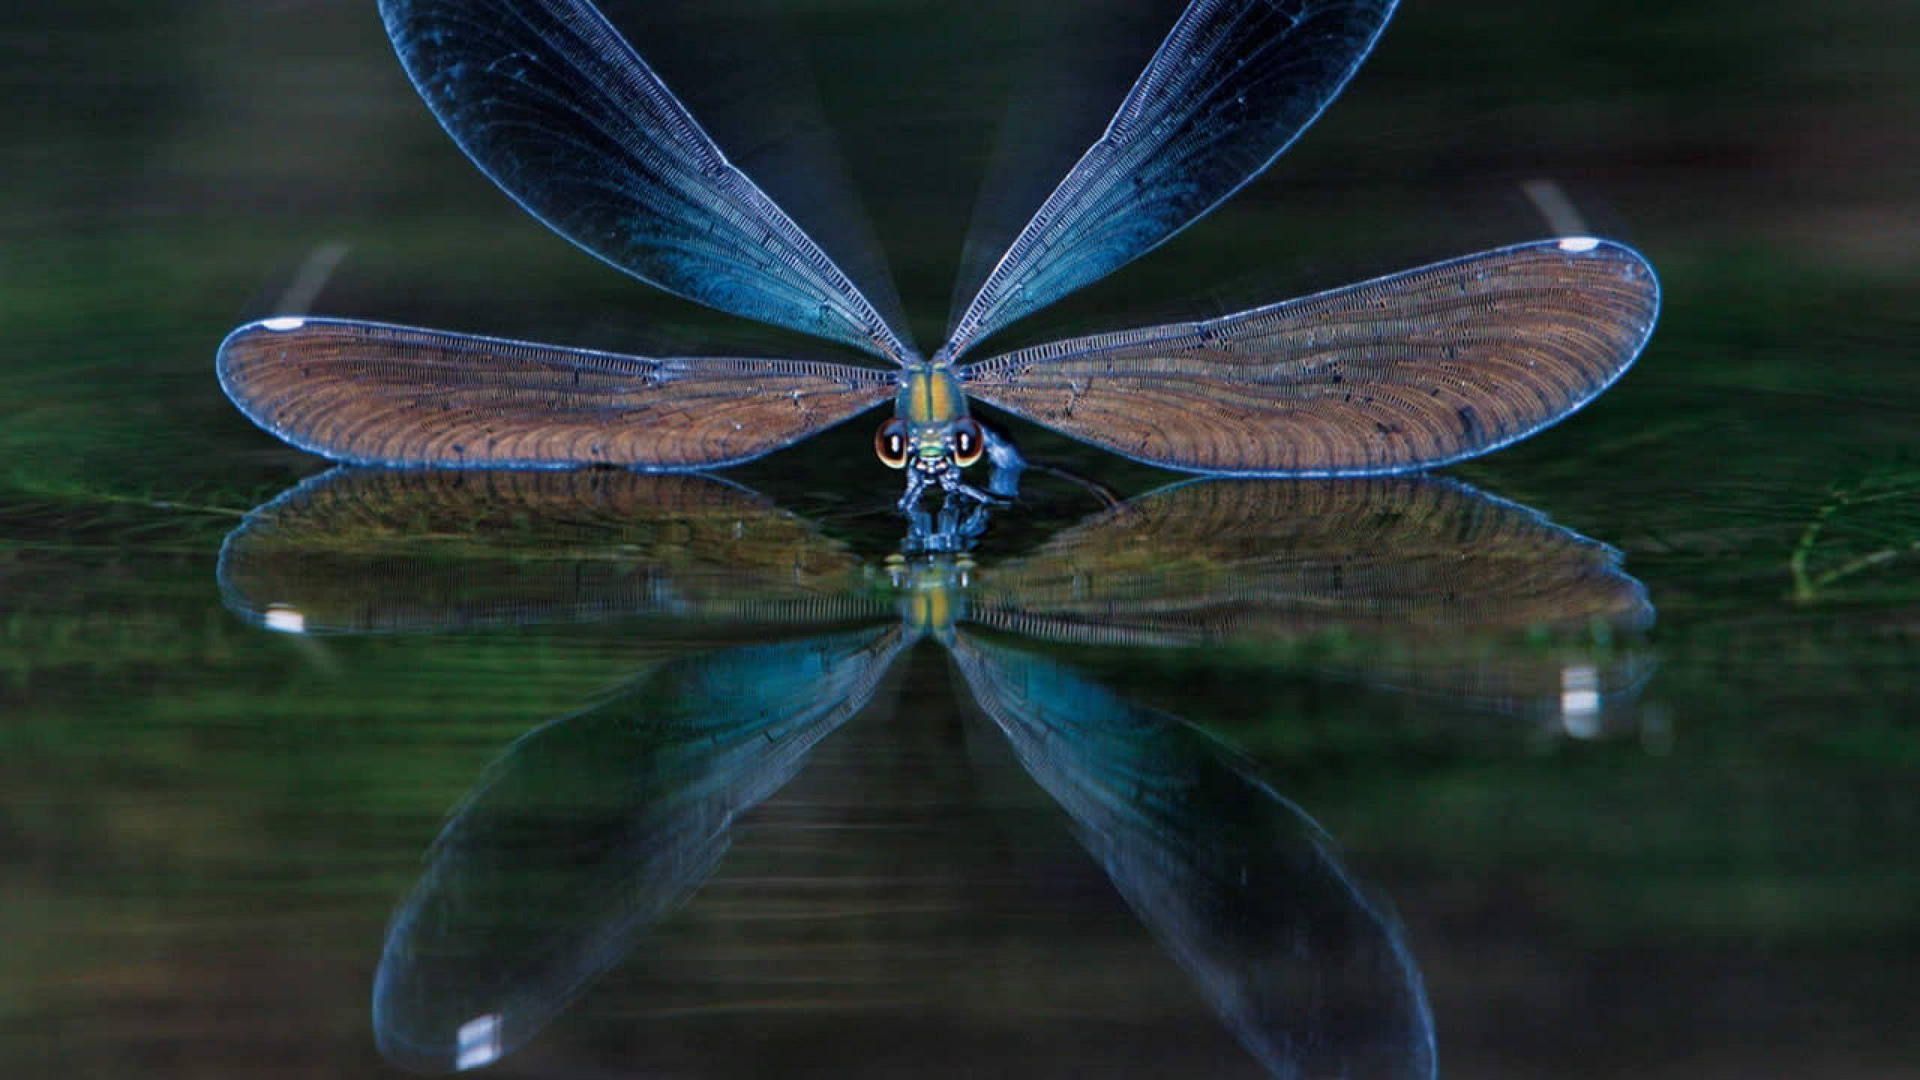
593, 828
554, 105
1233, 85
1237, 883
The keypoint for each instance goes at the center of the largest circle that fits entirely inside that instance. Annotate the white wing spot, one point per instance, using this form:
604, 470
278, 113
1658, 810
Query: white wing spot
284, 323
477, 1043
286, 619
1580, 701
1579, 244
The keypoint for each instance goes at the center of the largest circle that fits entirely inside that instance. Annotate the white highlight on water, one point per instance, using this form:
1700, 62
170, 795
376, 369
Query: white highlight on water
1580, 701
287, 620
478, 1042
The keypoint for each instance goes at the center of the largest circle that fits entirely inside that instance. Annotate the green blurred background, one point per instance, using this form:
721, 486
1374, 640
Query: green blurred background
203, 827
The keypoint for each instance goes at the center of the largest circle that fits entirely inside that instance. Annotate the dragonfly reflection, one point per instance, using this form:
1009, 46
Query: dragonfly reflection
591, 828
1405, 372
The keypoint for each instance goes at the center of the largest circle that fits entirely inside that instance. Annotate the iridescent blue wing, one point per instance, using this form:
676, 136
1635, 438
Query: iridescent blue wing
1237, 883
373, 394
554, 105
1233, 85
1404, 372
593, 828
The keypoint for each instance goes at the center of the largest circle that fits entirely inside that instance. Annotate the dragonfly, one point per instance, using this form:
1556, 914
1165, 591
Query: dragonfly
1406, 372
779, 636
1433, 588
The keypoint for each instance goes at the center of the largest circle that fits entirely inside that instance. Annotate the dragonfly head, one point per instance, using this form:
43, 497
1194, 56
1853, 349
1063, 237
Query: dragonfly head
930, 449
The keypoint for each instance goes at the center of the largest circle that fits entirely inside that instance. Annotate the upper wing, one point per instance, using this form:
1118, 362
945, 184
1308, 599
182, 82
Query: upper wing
554, 105
1409, 371
1233, 85
389, 395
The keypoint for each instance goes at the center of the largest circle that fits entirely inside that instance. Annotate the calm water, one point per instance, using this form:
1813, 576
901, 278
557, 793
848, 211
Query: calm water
1593, 758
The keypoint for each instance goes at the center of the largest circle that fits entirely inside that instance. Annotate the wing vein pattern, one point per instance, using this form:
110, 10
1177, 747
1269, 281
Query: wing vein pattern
1404, 372
374, 394
557, 109
1231, 87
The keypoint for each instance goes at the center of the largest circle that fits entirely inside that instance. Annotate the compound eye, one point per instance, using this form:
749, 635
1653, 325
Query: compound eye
890, 443
968, 441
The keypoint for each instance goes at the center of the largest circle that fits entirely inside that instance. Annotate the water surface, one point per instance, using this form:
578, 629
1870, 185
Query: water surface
1670, 841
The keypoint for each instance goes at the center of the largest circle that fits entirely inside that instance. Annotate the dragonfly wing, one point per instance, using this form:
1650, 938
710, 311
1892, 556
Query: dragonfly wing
1415, 583
1408, 558
592, 829
1231, 87
552, 103
374, 394
1409, 371
1237, 883
360, 551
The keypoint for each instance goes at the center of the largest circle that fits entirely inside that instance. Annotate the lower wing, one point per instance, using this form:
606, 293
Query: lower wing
1239, 885
594, 828
435, 551
1408, 371
374, 394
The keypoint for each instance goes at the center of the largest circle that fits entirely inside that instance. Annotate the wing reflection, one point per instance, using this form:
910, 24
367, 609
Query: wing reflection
592, 828
1237, 883
1415, 583
362, 550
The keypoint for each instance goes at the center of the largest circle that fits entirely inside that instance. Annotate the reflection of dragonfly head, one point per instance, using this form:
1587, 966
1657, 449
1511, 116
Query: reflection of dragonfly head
933, 593
1415, 584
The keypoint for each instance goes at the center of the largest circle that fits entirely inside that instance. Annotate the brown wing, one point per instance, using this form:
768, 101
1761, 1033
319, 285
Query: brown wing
1405, 557
436, 550
1403, 372
1414, 583
389, 395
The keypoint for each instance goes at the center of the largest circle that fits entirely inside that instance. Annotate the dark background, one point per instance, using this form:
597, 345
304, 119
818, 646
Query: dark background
204, 827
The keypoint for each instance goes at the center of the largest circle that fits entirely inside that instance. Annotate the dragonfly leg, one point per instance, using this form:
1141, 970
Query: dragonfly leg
957, 529
917, 484
951, 483
968, 529
920, 533
1007, 464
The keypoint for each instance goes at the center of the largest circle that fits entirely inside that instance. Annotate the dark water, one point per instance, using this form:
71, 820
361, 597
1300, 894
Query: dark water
1593, 758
